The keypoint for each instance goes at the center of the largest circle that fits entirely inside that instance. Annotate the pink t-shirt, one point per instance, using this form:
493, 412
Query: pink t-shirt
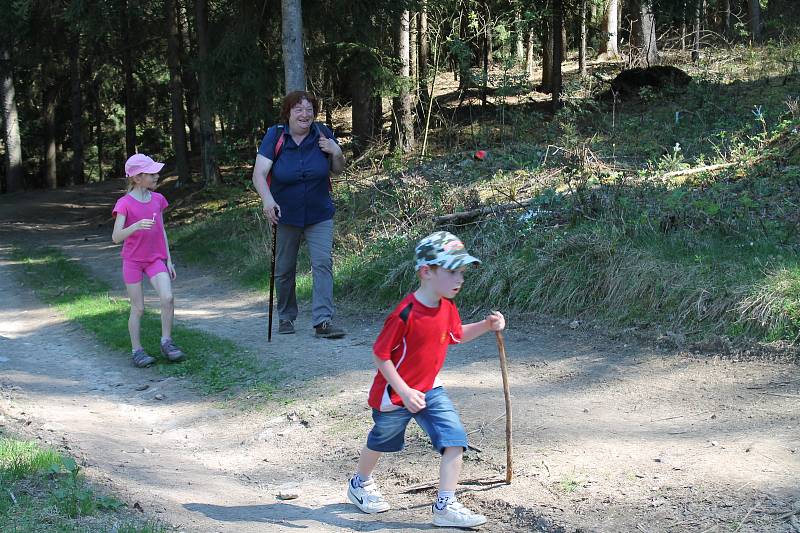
143, 245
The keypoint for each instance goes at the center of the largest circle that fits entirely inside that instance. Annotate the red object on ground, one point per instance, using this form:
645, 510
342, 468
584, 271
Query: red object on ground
480, 155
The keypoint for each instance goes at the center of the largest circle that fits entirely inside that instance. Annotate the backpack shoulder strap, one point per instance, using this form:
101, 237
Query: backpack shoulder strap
278, 147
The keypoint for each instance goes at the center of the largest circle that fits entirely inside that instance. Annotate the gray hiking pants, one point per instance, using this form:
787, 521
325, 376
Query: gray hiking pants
319, 238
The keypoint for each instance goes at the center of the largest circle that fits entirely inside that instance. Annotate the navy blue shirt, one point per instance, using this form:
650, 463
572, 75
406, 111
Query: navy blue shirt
300, 176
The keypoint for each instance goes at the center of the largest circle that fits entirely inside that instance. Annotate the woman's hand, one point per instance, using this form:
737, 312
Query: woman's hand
329, 146
271, 210
171, 268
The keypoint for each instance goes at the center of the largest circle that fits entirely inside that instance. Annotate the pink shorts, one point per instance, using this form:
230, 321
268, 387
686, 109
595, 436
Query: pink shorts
132, 270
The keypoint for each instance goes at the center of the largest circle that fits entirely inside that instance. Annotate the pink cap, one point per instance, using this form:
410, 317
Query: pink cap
141, 164
480, 155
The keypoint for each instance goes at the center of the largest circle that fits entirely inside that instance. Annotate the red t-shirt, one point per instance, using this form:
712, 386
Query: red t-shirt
415, 337
145, 245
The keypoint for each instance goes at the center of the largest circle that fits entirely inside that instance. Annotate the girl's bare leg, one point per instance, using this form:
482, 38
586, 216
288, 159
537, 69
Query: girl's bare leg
163, 286
136, 295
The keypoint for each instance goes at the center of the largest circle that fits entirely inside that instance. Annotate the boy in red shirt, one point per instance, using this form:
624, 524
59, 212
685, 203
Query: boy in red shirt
409, 353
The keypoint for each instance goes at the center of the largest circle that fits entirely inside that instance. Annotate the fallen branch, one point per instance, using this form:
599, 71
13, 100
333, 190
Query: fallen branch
475, 481
464, 216
697, 170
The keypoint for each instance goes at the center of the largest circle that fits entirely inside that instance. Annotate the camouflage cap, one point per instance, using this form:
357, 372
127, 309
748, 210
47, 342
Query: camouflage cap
443, 249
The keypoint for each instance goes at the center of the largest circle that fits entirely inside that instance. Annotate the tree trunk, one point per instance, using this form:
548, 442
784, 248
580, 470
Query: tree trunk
698, 21
529, 54
363, 121
584, 36
49, 94
755, 20
208, 166
519, 37
127, 68
98, 127
11, 136
647, 33
77, 174
294, 69
724, 7
487, 55
176, 94
558, 52
192, 94
547, 57
413, 57
423, 51
612, 30
403, 130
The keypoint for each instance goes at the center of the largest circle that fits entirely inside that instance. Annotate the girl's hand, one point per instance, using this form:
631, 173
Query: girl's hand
328, 146
171, 268
144, 224
496, 321
413, 400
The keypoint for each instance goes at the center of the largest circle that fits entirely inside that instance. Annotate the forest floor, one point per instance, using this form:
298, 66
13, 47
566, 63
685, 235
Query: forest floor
611, 432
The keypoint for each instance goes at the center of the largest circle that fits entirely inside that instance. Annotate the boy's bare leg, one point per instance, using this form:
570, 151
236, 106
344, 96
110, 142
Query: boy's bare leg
450, 468
447, 511
163, 286
136, 296
367, 462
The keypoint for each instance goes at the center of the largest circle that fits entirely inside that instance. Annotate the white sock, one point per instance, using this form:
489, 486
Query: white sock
445, 497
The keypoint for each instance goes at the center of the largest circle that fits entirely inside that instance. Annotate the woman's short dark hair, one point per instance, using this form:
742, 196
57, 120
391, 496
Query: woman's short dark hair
294, 98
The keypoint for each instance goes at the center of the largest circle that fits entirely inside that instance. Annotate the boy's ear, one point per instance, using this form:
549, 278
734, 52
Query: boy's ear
424, 271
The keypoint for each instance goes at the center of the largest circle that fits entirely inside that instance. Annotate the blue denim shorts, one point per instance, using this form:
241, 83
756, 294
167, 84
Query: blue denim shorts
439, 420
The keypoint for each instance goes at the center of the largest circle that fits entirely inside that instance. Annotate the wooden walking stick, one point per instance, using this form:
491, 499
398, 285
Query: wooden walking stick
501, 349
272, 279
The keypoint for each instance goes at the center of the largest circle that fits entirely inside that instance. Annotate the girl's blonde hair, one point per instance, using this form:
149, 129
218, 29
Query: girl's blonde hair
131, 183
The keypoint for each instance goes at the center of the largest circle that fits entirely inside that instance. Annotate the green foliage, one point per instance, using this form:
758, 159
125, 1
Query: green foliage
43, 491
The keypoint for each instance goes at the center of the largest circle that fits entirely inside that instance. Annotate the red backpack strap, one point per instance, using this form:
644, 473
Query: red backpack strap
278, 146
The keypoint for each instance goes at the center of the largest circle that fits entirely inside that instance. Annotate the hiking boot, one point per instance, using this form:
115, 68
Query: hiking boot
327, 330
141, 358
170, 351
367, 497
456, 515
285, 327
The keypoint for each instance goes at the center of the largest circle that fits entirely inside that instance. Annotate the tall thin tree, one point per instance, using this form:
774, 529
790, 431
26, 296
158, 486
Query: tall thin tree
127, 68
77, 174
294, 69
612, 29
558, 51
176, 93
403, 130
755, 20
208, 166
584, 13
11, 135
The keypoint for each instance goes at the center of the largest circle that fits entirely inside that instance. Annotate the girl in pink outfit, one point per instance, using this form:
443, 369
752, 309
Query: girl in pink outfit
139, 226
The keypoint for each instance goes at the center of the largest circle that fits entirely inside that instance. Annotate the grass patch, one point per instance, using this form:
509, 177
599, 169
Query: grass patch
214, 364
606, 236
43, 491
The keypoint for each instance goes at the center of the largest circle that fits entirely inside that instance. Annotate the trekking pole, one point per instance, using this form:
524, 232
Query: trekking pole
501, 349
272, 279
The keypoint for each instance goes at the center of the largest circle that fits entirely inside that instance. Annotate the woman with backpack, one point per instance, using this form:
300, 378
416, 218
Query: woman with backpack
292, 176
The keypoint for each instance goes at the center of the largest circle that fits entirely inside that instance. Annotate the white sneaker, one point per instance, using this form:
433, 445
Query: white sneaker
456, 515
367, 497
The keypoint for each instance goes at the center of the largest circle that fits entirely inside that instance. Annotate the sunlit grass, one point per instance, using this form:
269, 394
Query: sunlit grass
214, 364
43, 491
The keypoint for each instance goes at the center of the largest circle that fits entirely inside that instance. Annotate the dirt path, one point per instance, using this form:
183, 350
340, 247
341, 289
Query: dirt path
610, 435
